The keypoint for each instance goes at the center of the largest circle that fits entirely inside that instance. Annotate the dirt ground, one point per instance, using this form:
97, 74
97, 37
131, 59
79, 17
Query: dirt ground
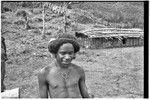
114, 73
110, 73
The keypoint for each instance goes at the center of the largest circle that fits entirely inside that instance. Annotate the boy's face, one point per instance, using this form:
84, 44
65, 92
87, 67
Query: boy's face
65, 54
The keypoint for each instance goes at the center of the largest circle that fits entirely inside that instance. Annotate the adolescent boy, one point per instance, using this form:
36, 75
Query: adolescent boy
63, 79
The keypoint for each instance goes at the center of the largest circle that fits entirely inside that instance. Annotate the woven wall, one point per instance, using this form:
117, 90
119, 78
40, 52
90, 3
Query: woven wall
96, 43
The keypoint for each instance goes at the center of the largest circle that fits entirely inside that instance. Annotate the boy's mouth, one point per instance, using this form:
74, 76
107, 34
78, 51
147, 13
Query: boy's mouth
66, 62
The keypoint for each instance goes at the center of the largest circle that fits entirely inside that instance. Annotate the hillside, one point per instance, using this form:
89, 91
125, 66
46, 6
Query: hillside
108, 14
125, 14
110, 73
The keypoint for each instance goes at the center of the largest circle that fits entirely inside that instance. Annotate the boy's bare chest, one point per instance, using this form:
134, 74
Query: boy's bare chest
63, 79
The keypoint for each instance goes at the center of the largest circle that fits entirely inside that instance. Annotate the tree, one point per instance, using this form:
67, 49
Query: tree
43, 13
65, 6
45, 4
24, 14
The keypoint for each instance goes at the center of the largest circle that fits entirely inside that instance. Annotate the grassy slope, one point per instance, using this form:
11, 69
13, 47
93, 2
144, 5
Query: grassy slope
109, 72
118, 14
114, 72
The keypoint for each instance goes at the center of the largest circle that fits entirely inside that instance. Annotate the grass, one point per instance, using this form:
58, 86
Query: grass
111, 73
114, 72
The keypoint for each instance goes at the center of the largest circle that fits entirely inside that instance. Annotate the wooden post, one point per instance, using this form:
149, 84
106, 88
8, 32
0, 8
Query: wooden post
102, 42
65, 27
138, 41
133, 42
65, 6
43, 13
142, 41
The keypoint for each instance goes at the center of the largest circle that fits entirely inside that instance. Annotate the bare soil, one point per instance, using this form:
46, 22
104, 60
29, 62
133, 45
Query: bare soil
113, 73
110, 73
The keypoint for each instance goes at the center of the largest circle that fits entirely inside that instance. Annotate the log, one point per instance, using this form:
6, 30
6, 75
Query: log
14, 93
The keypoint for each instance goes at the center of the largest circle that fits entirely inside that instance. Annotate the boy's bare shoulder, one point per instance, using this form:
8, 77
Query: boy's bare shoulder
45, 70
78, 68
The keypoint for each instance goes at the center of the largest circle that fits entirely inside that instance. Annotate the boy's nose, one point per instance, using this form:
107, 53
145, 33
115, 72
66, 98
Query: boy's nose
67, 56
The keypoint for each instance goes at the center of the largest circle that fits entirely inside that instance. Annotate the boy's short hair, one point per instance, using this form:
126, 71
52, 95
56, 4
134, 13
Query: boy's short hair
59, 40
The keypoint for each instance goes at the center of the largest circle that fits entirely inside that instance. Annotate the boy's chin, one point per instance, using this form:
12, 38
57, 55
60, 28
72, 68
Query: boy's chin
66, 64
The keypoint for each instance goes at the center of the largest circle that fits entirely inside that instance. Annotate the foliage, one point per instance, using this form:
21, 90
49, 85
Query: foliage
27, 52
128, 13
19, 22
117, 12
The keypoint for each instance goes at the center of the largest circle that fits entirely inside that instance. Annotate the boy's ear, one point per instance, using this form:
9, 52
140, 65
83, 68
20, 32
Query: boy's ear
53, 55
74, 56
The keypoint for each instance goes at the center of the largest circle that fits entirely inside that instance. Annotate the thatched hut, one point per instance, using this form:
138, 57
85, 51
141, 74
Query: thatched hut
110, 37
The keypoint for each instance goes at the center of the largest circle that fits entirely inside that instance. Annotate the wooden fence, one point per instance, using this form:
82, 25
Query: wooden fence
96, 43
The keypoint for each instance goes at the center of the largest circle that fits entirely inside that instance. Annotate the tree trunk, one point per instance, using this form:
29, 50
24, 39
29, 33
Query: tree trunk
27, 23
65, 19
43, 31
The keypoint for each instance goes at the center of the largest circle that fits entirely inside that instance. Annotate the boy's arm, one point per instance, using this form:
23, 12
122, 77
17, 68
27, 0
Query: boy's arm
82, 86
43, 89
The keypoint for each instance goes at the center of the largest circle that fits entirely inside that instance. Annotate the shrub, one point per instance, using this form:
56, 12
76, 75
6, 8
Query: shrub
22, 13
38, 32
84, 20
48, 33
5, 9
3, 17
37, 11
6, 22
19, 22
37, 20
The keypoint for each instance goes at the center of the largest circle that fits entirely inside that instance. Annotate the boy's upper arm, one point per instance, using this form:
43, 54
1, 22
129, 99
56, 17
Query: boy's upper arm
82, 85
43, 88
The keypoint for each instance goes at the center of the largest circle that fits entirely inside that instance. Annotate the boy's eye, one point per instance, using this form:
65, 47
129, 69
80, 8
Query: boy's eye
70, 53
63, 53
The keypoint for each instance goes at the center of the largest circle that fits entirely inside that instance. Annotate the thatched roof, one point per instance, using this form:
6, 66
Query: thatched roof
113, 32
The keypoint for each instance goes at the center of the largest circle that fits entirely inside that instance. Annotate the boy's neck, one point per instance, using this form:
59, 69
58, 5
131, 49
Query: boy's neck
61, 66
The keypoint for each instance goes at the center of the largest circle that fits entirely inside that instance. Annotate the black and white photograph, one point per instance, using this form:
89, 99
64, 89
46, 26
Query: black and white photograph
73, 49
